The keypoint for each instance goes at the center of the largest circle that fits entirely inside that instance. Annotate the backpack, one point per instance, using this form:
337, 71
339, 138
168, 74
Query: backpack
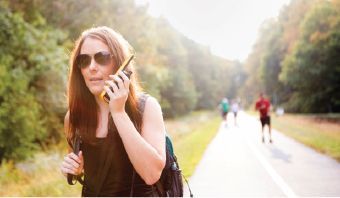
171, 182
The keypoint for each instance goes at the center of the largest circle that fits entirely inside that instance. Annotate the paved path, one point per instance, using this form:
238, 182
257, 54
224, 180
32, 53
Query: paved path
237, 163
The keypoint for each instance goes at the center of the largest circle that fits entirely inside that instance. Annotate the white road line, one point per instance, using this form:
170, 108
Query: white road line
275, 176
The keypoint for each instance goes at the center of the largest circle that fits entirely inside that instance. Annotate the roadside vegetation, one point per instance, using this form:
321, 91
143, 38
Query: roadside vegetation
191, 135
321, 132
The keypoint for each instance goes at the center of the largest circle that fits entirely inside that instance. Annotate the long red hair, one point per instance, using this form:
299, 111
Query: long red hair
81, 102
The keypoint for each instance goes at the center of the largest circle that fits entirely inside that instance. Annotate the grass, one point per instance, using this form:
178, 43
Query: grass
40, 176
314, 131
191, 135
319, 131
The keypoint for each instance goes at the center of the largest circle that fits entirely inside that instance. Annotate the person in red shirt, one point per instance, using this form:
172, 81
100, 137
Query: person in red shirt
263, 106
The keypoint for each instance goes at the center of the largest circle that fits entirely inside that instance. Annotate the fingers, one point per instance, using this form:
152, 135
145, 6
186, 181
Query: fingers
80, 155
118, 80
109, 92
74, 157
119, 84
126, 80
68, 168
72, 164
113, 85
66, 171
118, 90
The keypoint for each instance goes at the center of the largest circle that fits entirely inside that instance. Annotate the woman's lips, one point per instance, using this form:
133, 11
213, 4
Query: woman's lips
96, 80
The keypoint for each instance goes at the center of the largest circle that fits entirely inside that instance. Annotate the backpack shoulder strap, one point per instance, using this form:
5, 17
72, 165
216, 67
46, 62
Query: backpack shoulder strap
141, 102
168, 144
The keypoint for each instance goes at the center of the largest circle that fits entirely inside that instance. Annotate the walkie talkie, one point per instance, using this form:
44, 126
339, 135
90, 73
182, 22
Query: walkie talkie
122, 68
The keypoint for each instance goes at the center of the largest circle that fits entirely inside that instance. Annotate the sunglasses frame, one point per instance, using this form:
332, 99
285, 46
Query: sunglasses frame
87, 58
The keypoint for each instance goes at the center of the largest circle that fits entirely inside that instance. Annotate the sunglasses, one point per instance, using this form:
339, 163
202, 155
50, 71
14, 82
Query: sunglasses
102, 58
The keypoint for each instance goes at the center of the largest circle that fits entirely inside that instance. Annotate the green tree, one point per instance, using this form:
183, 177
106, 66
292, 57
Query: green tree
277, 44
178, 96
313, 69
27, 56
270, 62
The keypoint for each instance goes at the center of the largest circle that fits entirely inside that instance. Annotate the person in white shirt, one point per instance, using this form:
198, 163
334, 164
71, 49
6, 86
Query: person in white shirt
235, 108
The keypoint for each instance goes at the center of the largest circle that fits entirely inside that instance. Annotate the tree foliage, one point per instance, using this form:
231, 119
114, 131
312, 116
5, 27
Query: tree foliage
28, 108
295, 59
313, 68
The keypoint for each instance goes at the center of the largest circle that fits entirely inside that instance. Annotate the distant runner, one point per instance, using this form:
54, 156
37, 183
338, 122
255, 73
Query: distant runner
224, 109
263, 106
235, 108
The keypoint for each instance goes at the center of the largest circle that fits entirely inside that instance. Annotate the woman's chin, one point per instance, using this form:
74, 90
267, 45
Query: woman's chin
96, 91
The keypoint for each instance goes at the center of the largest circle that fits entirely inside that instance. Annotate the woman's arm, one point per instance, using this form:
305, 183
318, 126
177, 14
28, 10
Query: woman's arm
146, 150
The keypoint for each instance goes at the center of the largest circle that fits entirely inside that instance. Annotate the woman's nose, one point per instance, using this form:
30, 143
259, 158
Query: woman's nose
93, 65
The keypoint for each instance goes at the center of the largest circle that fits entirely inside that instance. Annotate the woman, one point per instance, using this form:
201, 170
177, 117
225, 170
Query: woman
123, 141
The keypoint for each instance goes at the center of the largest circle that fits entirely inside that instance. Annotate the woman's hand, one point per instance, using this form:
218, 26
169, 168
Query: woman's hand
120, 93
72, 164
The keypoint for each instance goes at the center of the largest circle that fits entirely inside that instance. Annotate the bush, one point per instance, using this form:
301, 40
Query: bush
27, 54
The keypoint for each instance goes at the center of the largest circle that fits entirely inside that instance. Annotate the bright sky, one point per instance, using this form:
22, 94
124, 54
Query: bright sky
228, 27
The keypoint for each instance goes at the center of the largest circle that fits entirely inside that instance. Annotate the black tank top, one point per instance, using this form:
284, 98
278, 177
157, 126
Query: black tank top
119, 176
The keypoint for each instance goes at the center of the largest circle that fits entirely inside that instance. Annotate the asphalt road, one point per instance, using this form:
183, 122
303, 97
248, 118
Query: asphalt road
237, 163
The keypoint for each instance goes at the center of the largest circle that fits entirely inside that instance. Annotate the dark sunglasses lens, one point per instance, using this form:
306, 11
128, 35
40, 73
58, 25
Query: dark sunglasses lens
83, 60
103, 58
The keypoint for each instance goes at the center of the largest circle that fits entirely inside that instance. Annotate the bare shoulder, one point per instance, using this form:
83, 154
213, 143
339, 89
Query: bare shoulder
152, 106
153, 127
152, 112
